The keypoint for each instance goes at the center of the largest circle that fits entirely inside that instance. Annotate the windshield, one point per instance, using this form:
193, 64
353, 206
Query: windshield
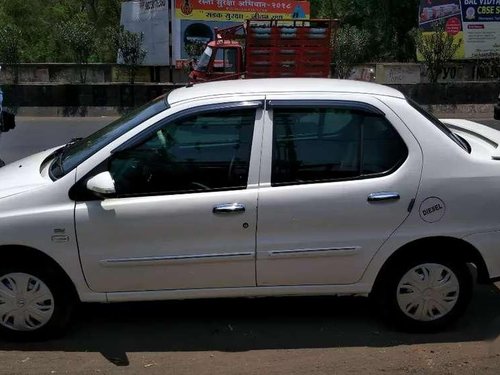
434, 120
70, 156
202, 64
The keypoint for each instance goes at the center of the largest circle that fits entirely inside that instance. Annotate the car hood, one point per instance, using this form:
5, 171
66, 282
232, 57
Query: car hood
24, 175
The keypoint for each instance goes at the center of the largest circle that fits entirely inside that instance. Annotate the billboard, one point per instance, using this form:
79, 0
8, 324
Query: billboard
476, 23
195, 20
240, 10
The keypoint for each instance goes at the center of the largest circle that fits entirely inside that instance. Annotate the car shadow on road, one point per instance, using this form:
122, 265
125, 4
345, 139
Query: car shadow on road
236, 325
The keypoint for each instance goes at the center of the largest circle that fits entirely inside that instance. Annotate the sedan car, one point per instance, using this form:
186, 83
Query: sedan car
255, 188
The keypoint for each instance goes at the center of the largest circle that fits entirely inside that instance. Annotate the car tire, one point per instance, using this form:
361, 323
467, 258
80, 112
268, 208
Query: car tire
35, 304
424, 294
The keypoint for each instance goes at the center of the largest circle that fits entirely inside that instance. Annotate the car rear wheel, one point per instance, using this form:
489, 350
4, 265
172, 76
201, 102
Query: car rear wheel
425, 294
33, 303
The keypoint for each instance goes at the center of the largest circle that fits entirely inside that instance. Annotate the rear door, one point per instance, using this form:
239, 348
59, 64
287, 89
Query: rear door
338, 177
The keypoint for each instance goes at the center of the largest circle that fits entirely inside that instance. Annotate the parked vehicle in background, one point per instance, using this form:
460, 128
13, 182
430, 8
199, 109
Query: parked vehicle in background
496, 113
358, 191
268, 49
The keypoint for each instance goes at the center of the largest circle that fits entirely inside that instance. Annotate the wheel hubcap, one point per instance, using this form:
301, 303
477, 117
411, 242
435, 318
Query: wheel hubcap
428, 292
26, 303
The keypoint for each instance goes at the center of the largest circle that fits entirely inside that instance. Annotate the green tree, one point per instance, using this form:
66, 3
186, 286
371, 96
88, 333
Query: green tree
387, 23
39, 22
130, 50
437, 49
349, 50
79, 35
10, 48
104, 14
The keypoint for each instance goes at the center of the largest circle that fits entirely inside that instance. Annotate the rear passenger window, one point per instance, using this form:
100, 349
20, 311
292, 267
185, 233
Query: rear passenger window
327, 144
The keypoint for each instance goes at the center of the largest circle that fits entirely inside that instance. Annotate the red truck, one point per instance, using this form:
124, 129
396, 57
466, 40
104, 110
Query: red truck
268, 49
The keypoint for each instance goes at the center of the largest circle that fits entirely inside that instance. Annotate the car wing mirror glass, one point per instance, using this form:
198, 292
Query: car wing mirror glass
102, 184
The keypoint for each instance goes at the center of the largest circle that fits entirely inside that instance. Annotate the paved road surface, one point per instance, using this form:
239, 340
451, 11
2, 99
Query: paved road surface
267, 336
35, 134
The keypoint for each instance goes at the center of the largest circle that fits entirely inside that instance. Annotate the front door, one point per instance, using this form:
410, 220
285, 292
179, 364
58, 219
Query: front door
183, 216
339, 180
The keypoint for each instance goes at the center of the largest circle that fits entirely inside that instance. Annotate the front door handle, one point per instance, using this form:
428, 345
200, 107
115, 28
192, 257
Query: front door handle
229, 208
383, 196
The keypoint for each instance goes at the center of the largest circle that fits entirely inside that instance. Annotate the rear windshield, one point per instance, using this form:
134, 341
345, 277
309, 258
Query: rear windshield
434, 120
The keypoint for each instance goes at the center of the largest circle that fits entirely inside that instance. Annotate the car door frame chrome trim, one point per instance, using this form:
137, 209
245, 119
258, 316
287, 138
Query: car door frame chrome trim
176, 259
344, 250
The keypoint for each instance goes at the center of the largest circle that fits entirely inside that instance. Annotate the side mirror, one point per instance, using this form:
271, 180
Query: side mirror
102, 185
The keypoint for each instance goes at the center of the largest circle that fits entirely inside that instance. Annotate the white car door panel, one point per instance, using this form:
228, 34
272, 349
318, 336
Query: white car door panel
168, 242
326, 232
186, 207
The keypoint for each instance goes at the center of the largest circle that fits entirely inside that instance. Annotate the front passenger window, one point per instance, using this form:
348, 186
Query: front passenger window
206, 152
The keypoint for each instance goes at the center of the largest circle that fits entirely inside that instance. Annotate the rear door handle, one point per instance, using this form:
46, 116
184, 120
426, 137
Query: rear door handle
383, 196
229, 208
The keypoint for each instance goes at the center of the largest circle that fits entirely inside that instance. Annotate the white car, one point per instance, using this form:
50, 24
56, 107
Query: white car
255, 188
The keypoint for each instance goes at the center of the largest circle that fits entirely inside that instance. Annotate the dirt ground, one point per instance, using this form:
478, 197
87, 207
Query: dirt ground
328, 335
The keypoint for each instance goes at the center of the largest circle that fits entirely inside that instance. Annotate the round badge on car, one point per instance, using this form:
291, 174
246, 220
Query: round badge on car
432, 209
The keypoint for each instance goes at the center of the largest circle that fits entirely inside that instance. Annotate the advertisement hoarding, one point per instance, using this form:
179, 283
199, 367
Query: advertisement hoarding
240, 10
195, 20
481, 25
476, 23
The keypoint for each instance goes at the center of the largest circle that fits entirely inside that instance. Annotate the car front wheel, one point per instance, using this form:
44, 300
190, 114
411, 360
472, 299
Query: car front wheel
33, 304
425, 294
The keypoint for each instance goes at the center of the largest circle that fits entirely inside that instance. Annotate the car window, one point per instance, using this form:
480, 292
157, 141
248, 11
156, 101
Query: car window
205, 152
327, 144
225, 60
438, 124
74, 153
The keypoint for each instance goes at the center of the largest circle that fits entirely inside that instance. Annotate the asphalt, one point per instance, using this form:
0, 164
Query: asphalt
33, 134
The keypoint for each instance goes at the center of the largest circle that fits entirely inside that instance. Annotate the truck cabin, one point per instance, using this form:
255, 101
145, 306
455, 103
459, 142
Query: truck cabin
219, 60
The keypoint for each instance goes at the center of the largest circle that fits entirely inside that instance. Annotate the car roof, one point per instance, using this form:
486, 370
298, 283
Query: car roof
278, 85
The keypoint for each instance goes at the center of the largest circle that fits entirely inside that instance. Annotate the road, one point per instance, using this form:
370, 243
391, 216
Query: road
34, 134
335, 335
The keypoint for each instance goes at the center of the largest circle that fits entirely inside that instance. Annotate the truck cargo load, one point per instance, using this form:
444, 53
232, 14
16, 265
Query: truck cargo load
268, 49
